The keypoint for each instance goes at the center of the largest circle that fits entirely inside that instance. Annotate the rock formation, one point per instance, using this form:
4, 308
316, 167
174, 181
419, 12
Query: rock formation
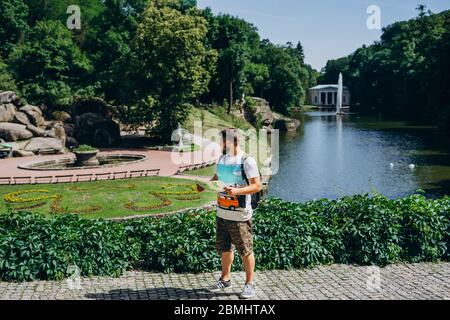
262, 116
31, 131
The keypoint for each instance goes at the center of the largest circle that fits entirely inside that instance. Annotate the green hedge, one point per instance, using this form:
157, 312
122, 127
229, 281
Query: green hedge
357, 229
33, 247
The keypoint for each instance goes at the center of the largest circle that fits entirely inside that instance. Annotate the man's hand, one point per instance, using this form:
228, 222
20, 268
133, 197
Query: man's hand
231, 191
252, 188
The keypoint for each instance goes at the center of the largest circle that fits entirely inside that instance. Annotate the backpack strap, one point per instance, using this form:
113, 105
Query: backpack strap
244, 175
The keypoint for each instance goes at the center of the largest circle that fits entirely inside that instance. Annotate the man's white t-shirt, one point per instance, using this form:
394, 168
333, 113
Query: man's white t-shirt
229, 172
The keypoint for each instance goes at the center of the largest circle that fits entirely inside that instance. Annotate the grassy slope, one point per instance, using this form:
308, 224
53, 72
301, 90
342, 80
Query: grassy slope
203, 172
111, 196
215, 117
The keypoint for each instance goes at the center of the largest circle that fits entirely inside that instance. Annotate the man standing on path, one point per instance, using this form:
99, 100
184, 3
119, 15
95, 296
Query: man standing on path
241, 179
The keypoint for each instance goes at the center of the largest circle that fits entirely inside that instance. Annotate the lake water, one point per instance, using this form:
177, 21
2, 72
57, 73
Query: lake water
331, 156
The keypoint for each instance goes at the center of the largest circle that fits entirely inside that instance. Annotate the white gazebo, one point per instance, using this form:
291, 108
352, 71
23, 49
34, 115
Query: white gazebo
325, 96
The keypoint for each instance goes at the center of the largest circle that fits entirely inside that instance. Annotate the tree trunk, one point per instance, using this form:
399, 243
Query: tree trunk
230, 105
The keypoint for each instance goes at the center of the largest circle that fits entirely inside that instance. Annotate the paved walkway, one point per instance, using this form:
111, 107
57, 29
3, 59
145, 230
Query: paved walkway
162, 160
155, 160
412, 281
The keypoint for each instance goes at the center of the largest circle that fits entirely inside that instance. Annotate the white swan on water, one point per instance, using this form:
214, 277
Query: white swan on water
412, 166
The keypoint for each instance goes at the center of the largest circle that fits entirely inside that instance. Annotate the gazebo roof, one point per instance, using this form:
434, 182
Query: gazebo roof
327, 86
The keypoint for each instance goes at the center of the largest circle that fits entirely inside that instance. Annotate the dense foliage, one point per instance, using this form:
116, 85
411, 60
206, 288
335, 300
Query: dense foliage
405, 74
153, 59
355, 229
33, 247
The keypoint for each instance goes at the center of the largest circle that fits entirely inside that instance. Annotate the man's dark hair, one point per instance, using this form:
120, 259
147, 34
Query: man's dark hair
231, 134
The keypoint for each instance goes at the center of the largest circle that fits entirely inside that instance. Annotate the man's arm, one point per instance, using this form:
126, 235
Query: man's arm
253, 187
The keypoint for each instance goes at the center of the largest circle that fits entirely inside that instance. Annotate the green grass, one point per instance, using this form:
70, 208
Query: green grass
203, 172
215, 117
109, 196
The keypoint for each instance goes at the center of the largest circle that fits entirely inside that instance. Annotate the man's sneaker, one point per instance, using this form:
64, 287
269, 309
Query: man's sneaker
249, 291
220, 285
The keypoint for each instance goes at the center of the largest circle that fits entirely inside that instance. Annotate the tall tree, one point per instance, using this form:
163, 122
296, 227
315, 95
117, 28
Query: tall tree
170, 65
49, 67
13, 15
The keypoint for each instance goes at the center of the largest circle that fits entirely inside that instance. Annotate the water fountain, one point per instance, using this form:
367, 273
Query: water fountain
86, 160
339, 95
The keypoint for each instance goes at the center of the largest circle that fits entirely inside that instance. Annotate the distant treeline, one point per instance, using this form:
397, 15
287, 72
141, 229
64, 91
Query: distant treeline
151, 58
406, 74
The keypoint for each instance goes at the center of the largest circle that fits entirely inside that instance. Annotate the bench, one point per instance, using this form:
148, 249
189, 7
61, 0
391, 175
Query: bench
5, 180
63, 178
136, 173
152, 172
21, 180
102, 176
83, 177
46, 179
120, 175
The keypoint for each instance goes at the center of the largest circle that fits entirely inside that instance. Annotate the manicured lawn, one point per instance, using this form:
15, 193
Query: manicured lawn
203, 172
108, 199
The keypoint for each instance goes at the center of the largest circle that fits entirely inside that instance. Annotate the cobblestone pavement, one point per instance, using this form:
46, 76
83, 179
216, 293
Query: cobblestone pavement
402, 281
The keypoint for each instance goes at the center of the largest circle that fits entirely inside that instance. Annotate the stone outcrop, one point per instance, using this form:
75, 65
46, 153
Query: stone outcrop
26, 126
38, 145
261, 115
7, 97
283, 123
13, 132
61, 116
93, 123
34, 115
22, 153
7, 112
21, 118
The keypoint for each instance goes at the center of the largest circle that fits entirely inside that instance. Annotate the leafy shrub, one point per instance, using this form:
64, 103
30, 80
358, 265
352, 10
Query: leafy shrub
178, 243
288, 235
425, 228
34, 247
84, 148
369, 228
356, 229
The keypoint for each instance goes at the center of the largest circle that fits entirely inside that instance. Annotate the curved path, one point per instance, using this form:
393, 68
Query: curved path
155, 160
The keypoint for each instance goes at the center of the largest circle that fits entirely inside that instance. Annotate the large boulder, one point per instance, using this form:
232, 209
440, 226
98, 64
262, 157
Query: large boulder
61, 116
94, 129
37, 145
59, 132
13, 132
260, 113
7, 112
7, 97
22, 153
91, 105
34, 115
283, 123
37, 132
21, 118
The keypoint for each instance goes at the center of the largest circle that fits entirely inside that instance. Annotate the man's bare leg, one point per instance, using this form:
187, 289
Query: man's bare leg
249, 266
227, 261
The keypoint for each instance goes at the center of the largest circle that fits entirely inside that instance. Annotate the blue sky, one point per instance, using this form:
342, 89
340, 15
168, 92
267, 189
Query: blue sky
328, 29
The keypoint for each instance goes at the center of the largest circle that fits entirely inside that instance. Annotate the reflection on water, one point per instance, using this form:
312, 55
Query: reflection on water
332, 156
